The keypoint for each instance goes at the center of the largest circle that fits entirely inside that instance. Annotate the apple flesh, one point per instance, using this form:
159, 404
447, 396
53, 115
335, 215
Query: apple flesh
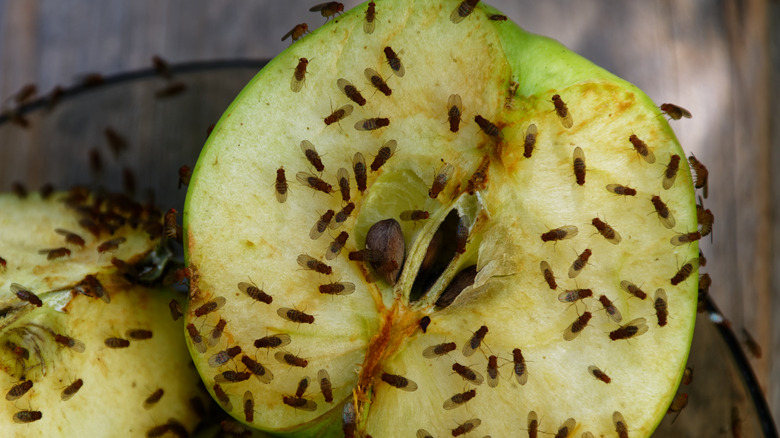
97, 357
593, 201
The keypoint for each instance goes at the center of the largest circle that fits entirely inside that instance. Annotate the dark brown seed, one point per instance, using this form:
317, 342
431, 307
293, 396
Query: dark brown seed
425, 321
461, 281
386, 237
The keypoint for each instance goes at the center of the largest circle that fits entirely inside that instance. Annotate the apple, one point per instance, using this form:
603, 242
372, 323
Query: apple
84, 350
424, 221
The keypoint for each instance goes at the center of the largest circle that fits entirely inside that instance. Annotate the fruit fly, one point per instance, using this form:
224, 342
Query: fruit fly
299, 403
340, 288
196, 338
175, 309
573, 295
258, 370
622, 190
530, 140
671, 171
464, 9
562, 233
170, 228
222, 397
664, 214
249, 407
579, 263
139, 334
567, 428
488, 127
476, 340
459, 399
232, 376
296, 32
548, 274
702, 174
492, 371
370, 23
497, 17
563, 111
438, 350
395, 62
111, 245
335, 247
342, 177
454, 111
533, 424
376, 80
293, 315
518, 360
221, 358
312, 264
216, 333
705, 218
385, 152
620, 424
351, 91
291, 359
339, 114
359, 166
610, 308
185, 174
682, 239
69, 343
641, 148
577, 327
71, 390
600, 375
675, 112
273, 341
685, 271
325, 385
3, 264
210, 306
478, 180
399, 382
578, 164
687, 377
321, 225
633, 289
468, 374
342, 215
299, 75
469, 425
414, 215
27, 416
679, 403
607, 231
736, 423
25, 294
660, 305
313, 182
328, 9
19, 390
255, 292
281, 185
153, 398
372, 124
752, 345
422, 433
71, 238
633, 329
115, 342
440, 180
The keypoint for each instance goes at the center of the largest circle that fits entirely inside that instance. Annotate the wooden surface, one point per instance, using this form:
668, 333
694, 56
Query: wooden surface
715, 58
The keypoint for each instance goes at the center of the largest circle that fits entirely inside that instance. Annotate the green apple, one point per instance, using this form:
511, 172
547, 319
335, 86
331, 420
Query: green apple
83, 350
501, 240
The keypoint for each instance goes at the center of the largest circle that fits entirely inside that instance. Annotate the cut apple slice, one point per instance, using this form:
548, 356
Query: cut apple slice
461, 253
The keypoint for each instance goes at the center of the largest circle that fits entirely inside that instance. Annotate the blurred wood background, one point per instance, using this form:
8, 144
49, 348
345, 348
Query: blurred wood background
719, 59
